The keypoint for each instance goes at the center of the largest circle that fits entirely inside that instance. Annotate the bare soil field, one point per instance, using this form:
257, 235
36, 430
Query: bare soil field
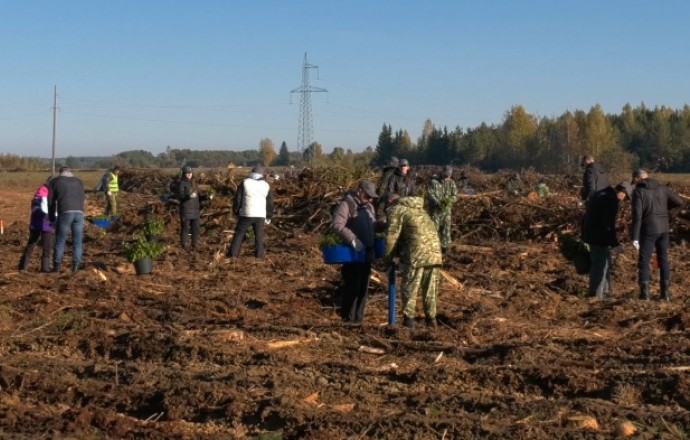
208, 347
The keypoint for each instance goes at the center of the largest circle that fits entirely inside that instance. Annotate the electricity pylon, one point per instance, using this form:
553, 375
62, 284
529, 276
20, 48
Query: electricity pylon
305, 125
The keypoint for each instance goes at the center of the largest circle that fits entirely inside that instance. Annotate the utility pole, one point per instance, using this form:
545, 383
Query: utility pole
305, 125
55, 108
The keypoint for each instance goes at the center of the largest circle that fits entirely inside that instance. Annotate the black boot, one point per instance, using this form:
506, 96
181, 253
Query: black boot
665, 290
56, 267
23, 262
408, 322
45, 264
644, 290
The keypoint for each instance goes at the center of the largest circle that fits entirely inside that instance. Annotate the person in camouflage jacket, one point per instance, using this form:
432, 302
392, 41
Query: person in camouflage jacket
441, 196
412, 237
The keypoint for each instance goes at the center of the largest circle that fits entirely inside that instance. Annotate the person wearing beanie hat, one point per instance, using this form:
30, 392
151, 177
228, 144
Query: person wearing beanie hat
354, 221
190, 208
253, 204
599, 232
441, 196
650, 229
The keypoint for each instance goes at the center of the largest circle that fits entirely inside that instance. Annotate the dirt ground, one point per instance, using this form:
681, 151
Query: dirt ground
207, 347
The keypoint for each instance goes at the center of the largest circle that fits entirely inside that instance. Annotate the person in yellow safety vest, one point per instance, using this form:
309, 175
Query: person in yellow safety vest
112, 187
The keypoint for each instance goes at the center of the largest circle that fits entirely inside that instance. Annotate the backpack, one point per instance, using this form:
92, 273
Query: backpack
174, 187
237, 199
350, 204
103, 183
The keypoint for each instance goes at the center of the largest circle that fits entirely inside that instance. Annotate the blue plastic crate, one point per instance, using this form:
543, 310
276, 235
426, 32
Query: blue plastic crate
102, 223
341, 253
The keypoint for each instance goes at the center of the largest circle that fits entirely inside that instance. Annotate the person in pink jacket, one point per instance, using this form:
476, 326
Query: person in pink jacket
40, 230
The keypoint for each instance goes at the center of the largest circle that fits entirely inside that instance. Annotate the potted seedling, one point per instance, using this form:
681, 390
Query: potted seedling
153, 228
141, 252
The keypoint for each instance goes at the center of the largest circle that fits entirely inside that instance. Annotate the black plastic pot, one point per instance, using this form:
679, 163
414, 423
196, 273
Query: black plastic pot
143, 266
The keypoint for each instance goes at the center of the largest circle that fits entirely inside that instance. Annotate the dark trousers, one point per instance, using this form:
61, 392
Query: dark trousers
355, 291
47, 240
649, 244
243, 224
187, 226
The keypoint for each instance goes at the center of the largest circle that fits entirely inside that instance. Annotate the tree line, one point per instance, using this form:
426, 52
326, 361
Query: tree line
656, 138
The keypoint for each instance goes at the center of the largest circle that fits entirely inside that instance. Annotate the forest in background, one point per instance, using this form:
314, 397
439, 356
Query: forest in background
657, 138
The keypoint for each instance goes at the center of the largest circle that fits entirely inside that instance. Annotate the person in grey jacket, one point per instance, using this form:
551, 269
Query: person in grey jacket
354, 220
650, 231
66, 210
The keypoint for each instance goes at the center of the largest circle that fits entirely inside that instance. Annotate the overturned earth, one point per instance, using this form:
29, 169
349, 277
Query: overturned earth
209, 347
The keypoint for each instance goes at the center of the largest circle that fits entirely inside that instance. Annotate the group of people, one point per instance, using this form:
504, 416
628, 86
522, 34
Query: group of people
417, 235
57, 209
417, 228
651, 202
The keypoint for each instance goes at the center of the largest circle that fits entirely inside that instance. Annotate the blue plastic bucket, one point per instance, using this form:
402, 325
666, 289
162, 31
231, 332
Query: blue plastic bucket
341, 253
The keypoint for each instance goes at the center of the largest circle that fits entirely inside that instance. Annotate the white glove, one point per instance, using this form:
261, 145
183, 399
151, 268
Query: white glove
192, 195
636, 245
357, 245
210, 197
267, 221
580, 203
109, 193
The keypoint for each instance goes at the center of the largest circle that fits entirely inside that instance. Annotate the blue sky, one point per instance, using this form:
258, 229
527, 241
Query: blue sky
212, 74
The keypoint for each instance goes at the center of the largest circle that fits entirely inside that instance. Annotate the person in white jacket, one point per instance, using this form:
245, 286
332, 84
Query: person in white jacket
255, 209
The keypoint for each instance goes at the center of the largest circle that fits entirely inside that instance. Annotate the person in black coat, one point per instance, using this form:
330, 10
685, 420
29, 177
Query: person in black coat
594, 178
401, 183
190, 210
599, 232
650, 230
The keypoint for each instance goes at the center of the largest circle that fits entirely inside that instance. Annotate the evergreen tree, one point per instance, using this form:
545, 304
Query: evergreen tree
384, 147
283, 155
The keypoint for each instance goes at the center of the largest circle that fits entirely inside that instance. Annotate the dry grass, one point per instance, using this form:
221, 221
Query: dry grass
33, 179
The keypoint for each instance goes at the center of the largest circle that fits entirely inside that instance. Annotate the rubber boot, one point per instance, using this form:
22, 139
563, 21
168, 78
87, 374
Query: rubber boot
644, 290
56, 267
430, 322
408, 322
45, 264
665, 290
23, 262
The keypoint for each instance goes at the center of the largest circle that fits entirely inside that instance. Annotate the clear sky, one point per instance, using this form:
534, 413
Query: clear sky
217, 74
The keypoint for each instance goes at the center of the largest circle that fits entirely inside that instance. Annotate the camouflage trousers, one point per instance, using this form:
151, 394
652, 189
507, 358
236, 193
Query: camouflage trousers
442, 220
413, 280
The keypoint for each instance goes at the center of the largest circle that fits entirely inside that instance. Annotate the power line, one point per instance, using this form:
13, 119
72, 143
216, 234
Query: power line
305, 124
